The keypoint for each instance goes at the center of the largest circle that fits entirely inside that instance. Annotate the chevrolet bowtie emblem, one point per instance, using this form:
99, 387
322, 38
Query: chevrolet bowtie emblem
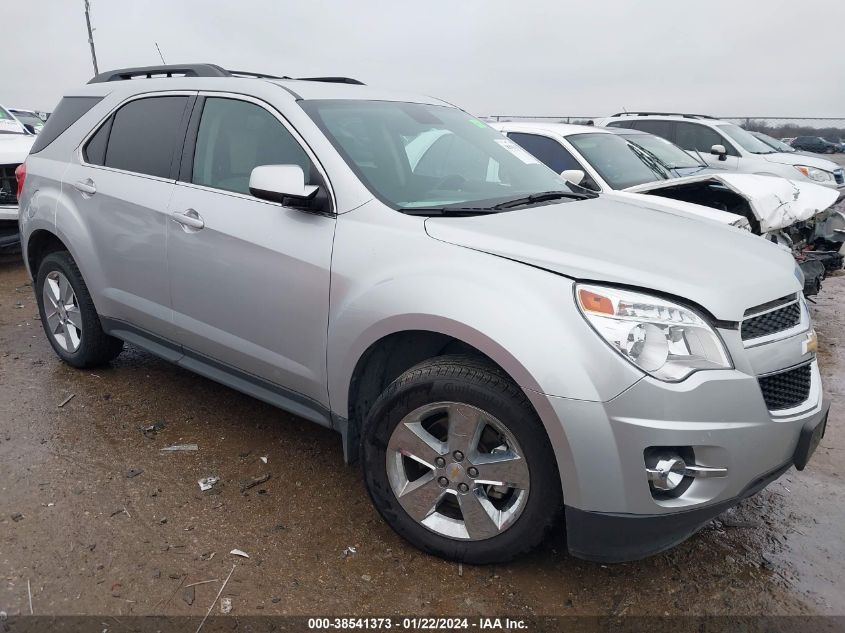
810, 344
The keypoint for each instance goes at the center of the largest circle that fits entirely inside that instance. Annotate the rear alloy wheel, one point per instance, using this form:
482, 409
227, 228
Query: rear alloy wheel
68, 314
64, 321
457, 462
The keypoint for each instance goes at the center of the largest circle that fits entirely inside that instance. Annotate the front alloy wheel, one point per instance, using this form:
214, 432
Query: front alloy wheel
457, 462
457, 470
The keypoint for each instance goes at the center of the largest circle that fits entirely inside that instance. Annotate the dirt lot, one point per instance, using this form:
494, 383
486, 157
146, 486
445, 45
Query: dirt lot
89, 538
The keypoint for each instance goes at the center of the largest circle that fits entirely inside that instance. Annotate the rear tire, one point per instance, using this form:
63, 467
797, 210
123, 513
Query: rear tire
68, 315
451, 505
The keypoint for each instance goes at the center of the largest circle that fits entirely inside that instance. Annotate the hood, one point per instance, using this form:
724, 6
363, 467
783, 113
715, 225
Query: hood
684, 209
723, 269
782, 158
14, 148
776, 202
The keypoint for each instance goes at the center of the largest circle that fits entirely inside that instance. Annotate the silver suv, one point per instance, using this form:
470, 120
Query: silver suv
496, 348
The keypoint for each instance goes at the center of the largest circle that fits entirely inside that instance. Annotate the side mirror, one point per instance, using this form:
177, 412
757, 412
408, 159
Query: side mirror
575, 176
720, 151
30, 128
277, 182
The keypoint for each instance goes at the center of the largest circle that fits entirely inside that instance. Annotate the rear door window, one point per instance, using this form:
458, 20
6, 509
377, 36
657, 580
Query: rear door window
95, 149
145, 135
662, 129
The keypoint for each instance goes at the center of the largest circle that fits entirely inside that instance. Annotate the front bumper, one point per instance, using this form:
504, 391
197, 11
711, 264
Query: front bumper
612, 538
720, 416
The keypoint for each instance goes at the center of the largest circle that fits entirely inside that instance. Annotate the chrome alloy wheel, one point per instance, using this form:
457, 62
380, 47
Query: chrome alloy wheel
64, 320
458, 471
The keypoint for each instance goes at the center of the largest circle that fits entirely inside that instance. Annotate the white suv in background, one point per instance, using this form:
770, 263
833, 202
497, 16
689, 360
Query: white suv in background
15, 143
725, 145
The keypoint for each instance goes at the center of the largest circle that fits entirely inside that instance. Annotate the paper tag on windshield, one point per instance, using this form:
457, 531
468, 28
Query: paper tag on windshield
517, 151
10, 126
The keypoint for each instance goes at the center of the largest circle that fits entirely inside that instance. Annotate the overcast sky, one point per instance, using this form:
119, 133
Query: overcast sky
529, 57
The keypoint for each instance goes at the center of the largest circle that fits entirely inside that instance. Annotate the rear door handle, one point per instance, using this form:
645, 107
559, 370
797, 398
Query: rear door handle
190, 219
85, 186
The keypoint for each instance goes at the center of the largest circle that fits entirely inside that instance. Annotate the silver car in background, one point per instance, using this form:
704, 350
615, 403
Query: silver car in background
496, 348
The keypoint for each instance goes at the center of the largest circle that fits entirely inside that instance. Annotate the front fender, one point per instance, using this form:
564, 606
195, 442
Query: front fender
523, 318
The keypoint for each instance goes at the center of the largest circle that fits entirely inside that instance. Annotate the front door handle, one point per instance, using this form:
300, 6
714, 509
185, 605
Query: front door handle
85, 186
189, 219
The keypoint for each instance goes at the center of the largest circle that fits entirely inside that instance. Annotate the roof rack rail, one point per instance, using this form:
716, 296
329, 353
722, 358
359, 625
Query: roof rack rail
201, 70
184, 70
247, 73
686, 115
333, 80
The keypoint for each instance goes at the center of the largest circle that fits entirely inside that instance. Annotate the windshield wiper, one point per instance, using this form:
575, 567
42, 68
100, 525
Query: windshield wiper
461, 212
534, 198
651, 161
545, 196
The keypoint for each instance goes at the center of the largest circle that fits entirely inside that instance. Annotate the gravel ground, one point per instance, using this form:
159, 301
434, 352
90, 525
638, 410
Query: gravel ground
97, 520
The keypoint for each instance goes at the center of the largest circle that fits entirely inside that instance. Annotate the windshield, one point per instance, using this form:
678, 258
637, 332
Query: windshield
746, 140
669, 154
621, 164
9, 124
774, 143
414, 156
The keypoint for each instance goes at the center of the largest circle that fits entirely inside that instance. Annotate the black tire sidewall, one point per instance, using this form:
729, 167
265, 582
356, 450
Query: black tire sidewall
544, 500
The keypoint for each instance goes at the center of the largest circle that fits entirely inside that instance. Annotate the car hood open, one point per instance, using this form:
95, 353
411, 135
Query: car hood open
724, 269
14, 148
776, 202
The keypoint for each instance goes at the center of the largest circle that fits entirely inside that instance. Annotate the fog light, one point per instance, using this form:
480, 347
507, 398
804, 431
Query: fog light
667, 474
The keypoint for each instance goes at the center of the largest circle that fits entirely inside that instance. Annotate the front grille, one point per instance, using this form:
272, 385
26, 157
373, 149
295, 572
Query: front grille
787, 389
8, 185
776, 320
840, 176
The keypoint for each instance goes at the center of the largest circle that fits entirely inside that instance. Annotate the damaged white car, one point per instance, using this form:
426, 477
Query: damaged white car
822, 238
781, 210
15, 143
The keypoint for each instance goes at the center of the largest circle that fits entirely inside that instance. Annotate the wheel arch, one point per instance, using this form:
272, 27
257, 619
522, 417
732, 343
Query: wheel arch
41, 243
386, 356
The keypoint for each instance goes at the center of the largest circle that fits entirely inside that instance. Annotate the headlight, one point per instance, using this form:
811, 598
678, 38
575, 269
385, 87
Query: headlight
662, 338
819, 175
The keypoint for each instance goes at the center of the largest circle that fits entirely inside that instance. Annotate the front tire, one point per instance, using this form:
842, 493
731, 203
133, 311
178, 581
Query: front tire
68, 315
458, 463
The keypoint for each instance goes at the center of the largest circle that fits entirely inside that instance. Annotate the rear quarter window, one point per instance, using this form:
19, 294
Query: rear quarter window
68, 112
